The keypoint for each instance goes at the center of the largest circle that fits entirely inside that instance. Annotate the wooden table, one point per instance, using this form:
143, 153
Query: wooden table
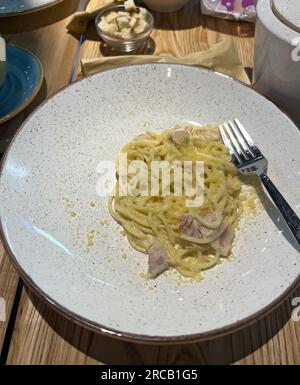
37, 334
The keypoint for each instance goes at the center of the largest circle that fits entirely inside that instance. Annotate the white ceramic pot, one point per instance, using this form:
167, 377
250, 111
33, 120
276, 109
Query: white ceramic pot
165, 5
277, 54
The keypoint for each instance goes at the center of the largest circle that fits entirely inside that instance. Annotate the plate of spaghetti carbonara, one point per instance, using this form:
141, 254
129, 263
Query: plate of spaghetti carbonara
162, 225
121, 208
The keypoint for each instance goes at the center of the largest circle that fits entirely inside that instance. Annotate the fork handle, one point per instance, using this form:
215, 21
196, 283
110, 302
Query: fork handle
287, 212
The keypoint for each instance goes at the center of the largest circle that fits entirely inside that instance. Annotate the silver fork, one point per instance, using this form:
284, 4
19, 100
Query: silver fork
249, 160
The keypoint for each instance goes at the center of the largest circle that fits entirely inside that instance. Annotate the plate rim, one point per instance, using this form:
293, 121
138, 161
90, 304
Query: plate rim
36, 90
128, 336
34, 9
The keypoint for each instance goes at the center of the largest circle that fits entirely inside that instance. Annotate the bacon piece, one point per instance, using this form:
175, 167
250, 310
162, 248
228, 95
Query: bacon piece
221, 237
223, 244
180, 137
158, 260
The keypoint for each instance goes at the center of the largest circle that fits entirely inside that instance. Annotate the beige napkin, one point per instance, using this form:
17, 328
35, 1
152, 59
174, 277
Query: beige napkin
221, 57
80, 20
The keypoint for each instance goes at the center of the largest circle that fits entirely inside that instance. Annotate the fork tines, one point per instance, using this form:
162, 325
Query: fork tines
238, 142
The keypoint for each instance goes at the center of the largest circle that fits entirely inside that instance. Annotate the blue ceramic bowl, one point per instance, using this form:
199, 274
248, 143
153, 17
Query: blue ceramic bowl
22, 82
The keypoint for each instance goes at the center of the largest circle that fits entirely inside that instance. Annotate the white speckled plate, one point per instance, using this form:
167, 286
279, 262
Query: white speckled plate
13, 7
48, 182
